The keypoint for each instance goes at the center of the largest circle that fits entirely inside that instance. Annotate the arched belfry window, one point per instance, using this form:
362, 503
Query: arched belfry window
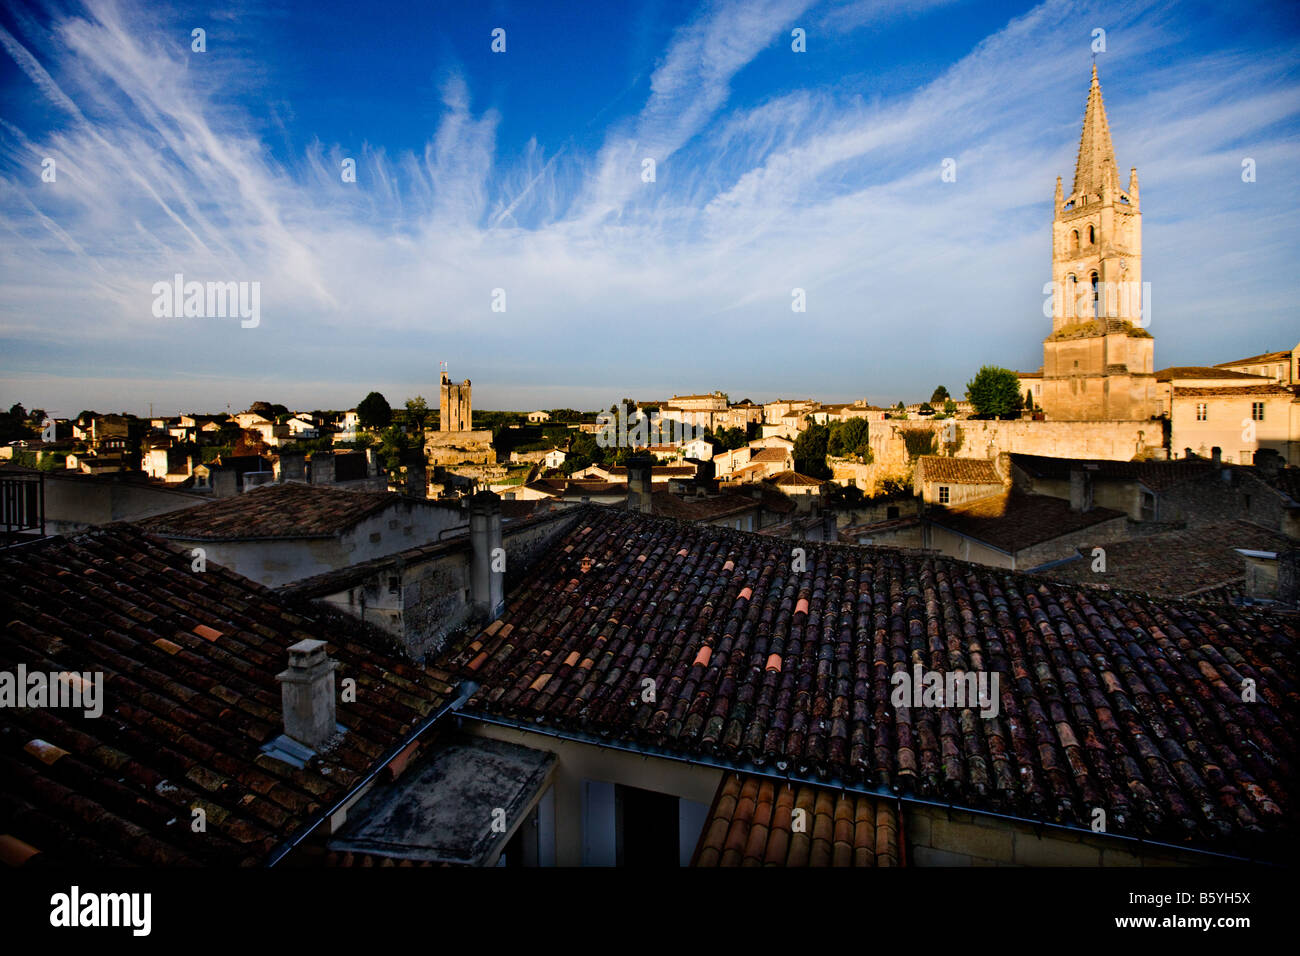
1072, 292
1092, 235
1074, 240
1096, 301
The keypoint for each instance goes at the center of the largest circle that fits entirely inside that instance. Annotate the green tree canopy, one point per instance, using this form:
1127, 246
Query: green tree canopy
849, 438
729, 438
417, 411
374, 411
939, 394
810, 452
995, 392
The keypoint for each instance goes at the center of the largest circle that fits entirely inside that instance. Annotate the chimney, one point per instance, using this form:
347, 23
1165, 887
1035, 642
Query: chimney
307, 694
322, 468
639, 486
1080, 489
487, 572
1268, 461
1216, 456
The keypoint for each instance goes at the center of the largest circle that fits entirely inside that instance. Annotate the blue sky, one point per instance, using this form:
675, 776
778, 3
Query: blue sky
522, 171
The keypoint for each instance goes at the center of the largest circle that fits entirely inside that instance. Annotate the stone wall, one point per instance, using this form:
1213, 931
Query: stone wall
935, 836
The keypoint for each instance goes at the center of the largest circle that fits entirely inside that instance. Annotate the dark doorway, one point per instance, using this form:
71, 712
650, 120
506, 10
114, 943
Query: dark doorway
647, 828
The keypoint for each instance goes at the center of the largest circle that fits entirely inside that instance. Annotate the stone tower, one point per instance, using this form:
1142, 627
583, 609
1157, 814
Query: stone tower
1097, 361
453, 406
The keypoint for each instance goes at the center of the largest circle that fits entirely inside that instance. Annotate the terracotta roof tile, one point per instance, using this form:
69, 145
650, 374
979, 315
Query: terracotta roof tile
957, 471
289, 510
756, 821
182, 726
1107, 699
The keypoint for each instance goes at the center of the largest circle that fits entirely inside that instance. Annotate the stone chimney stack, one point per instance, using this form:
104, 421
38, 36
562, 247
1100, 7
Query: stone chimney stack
1080, 489
487, 571
639, 483
307, 694
1216, 456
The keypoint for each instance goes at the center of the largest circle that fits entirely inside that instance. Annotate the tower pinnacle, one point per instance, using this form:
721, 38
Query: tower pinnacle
1096, 153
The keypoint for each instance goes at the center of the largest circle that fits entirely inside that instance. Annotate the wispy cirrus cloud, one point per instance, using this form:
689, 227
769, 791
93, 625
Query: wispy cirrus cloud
613, 282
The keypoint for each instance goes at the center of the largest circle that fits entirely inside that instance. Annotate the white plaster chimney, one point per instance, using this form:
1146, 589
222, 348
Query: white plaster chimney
307, 694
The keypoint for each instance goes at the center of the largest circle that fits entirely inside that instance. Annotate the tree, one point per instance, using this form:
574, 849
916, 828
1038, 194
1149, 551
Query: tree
925, 409
730, 438
374, 411
810, 452
250, 443
417, 410
995, 392
1029, 398
949, 407
584, 451
396, 448
849, 438
939, 394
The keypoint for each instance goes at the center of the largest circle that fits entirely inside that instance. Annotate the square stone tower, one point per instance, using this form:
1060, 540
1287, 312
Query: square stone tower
453, 406
1098, 359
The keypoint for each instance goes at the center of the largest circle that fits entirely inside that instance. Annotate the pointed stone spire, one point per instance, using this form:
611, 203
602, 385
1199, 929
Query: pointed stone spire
1133, 185
1057, 207
1096, 154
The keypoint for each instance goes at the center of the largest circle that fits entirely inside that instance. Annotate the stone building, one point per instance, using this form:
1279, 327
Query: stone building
454, 406
1097, 361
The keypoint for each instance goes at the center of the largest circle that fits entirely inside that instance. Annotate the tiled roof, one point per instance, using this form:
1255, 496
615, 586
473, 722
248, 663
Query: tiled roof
707, 508
755, 821
777, 454
1283, 356
1012, 521
1176, 563
290, 510
1213, 391
1201, 371
190, 696
1156, 475
620, 471
958, 471
851, 533
1106, 699
794, 479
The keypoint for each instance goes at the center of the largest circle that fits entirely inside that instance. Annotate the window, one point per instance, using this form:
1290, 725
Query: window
1092, 236
943, 494
1096, 298
1257, 411
891, 512
1201, 412
1074, 241
1148, 506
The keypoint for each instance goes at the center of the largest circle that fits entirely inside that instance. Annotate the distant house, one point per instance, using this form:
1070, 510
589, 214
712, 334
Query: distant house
228, 475
554, 458
303, 426
954, 481
538, 417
